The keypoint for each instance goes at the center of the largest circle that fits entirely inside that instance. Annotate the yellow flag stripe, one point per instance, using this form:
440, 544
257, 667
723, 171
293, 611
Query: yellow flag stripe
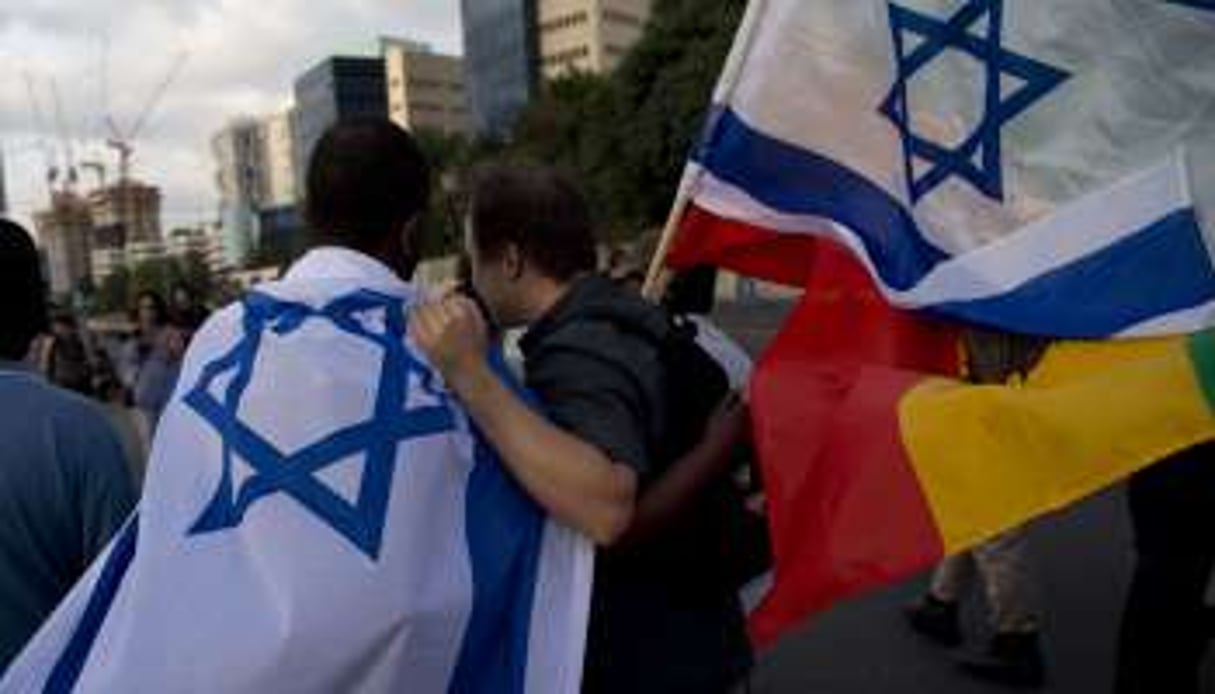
992, 457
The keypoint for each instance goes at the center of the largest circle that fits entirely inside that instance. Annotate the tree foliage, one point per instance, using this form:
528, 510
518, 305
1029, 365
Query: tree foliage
627, 136
449, 155
118, 291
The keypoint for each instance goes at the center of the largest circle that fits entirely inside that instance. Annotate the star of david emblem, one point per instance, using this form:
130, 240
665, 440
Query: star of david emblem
977, 159
294, 474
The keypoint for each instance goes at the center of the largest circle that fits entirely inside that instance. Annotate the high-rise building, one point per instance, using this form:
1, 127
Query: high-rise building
241, 176
425, 89
239, 155
587, 35
66, 230
278, 153
338, 88
509, 45
501, 60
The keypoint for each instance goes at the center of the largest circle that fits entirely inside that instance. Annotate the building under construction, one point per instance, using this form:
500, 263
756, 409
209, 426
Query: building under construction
89, 235
127, 211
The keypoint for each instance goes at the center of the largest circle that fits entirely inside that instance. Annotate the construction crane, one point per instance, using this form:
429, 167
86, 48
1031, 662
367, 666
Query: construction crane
38, 116
123, 141
68, 150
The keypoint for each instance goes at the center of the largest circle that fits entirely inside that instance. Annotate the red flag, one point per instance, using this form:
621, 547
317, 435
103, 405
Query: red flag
845, 511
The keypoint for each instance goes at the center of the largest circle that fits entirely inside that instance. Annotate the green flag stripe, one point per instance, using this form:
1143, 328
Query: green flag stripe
1202, 354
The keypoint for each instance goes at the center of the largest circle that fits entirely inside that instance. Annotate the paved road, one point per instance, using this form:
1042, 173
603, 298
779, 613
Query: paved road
862, 647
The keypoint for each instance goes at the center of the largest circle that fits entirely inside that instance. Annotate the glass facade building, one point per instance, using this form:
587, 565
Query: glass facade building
500, 58
337, 89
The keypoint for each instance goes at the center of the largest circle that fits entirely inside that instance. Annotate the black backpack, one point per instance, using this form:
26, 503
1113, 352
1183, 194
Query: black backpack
723, 543
695, 385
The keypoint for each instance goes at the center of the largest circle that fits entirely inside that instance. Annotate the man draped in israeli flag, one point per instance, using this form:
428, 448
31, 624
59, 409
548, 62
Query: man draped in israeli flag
318, 515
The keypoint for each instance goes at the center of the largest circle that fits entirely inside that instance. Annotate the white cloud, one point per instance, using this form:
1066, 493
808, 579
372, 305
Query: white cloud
243, 58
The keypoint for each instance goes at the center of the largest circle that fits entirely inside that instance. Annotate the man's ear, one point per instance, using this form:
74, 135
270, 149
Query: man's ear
513, 258
409, 239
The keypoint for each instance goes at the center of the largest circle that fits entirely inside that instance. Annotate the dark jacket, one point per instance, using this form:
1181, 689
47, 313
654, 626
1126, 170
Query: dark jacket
596, 363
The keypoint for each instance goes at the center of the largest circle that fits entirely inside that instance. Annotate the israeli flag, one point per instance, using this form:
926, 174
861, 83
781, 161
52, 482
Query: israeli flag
319, 517
1043, 166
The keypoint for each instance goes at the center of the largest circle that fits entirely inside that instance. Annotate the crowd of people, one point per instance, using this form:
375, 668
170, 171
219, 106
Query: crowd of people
131, 368
642, 446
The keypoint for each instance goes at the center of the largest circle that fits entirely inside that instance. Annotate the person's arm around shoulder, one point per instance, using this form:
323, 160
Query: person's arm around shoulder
572, 479
671, 498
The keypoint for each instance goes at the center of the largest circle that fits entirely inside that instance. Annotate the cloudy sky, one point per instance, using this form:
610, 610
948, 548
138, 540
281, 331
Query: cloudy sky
243, 56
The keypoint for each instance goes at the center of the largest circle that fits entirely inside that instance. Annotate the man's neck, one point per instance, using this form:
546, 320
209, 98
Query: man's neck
545, 295
388, 254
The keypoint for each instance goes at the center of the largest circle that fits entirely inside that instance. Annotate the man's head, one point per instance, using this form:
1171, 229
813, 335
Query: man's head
529, 235
367, 185
22, 292
63, 324
150, 310
182, 297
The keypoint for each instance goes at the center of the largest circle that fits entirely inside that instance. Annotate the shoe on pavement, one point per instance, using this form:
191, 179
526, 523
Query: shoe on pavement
935, 619
1012, 659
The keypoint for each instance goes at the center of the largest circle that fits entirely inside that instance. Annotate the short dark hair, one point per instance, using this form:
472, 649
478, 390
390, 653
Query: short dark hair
63, 317
539, 210
367, 177
162, 307
23, 304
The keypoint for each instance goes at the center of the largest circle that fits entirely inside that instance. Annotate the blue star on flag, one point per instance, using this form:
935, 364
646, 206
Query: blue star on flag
377, 439
985, 171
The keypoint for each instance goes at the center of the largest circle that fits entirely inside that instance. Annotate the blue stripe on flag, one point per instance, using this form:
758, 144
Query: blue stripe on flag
1200, 4
71, 662
796, 181
1161, 269
504, 530
1158, 269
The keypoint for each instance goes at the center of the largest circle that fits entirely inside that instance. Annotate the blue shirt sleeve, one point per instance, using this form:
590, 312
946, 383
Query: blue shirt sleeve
102, 486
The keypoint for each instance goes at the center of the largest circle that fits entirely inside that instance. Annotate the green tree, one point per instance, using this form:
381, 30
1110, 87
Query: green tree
196, 274
155, 275
627, 136
449, 156
665, 86
578, 124
114, 294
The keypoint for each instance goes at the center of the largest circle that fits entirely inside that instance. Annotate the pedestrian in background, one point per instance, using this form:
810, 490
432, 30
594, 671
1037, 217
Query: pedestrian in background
1001, 566
152, 360
1166, 624
186, 310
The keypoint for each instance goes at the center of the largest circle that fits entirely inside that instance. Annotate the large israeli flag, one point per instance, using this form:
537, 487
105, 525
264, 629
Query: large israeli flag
318, 517
1045, 166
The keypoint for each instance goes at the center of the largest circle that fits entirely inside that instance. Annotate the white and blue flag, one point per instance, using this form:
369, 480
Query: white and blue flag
319, 517
1043, 166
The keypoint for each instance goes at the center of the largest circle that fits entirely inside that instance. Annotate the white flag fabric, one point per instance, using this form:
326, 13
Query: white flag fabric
1043, 166
318, 517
